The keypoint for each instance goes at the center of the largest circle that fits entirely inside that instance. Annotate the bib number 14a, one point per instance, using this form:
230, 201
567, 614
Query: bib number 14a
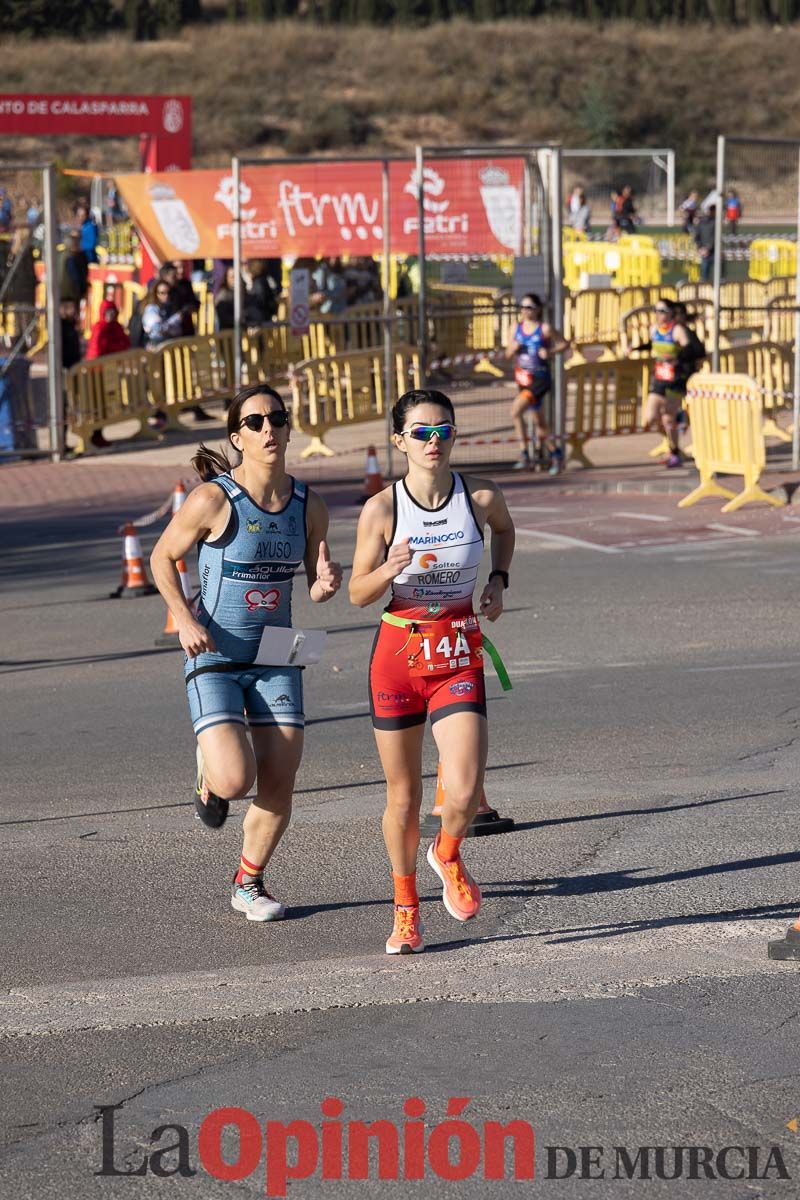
450, 652
444, 648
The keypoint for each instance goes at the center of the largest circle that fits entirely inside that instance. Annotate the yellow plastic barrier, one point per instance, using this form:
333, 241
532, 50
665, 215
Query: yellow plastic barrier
604, 399
727, 419
344, 389
119, 387
780, 322
629, 265
772, 257
771, 367
195, 369
591, 317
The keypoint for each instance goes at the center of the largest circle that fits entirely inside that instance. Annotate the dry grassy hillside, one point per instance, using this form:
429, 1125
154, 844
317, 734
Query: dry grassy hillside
293, 88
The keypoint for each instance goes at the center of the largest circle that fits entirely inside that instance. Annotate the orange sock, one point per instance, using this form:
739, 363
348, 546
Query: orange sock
447, 846
405, 889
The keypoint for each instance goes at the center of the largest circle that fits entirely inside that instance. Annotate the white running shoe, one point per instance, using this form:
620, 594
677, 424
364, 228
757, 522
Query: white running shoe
255, 902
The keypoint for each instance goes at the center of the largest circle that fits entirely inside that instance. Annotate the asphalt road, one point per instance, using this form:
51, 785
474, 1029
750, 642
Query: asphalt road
615, 991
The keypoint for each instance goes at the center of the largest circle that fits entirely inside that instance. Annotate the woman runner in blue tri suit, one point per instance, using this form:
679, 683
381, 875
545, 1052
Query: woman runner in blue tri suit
532, 344
254, 525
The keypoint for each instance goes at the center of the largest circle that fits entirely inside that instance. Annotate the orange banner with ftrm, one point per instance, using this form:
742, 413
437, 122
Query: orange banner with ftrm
470, 207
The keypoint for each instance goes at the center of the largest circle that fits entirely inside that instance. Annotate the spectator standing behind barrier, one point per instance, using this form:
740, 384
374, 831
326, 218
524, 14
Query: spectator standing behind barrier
6, 211
183, 300
223, 302
704, 239
261, 299
33, 216
160, 322
22, 286
733, 210
107, 335
89, 233
688, 208
581, 216
628, 216
615, 205
74, 270
330, 294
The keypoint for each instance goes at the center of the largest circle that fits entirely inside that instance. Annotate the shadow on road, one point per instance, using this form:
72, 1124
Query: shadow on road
642, 812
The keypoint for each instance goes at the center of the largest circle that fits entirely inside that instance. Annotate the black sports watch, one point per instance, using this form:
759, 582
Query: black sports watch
503, 575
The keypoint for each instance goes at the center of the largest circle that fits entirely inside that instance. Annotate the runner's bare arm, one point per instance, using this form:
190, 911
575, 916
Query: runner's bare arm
490, 509
204, 514
373, 568
324, 577
558, 342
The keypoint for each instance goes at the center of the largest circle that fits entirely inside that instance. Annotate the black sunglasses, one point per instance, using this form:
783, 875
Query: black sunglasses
278, 419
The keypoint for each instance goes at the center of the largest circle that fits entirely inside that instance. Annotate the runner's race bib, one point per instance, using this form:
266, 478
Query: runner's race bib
665, 371
444, 646
523, 378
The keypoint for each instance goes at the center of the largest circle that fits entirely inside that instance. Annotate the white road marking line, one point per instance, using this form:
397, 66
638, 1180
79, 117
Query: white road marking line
734, 529
564, 540
701, 544
641, 516
539, 508
766, 666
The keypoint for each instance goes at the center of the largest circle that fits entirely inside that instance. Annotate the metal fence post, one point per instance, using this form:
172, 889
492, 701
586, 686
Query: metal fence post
422, 316
237, 274
55, 365
557, 294
388, 373
720, 187
796, 399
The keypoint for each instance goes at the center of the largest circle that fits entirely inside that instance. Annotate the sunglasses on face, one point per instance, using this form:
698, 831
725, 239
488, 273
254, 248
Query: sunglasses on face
424, 433
255, 421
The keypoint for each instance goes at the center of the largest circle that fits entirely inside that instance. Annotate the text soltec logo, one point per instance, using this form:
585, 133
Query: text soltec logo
430, 524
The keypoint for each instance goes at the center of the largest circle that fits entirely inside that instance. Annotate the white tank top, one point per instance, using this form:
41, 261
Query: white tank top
447, 544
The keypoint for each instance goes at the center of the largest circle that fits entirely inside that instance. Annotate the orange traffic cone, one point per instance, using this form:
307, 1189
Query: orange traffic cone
135, 581
373, 480
178, 497
169, 635
486, 820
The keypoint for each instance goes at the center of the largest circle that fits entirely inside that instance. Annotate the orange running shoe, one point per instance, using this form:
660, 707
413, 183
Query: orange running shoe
406, 936
460, 893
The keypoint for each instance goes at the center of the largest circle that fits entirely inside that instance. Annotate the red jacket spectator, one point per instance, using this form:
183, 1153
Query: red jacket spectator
107, 336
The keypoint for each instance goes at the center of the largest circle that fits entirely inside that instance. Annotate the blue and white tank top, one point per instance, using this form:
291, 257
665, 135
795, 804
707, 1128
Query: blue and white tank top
448, 546
530, 344
246, 574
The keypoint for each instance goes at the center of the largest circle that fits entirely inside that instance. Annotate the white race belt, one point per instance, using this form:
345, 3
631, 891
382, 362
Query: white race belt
281, 647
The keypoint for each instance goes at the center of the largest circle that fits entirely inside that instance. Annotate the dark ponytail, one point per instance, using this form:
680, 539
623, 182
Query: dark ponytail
418, 396
210, 463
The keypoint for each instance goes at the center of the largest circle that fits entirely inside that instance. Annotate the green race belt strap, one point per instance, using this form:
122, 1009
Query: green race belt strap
391, 619
497, 663
489, 647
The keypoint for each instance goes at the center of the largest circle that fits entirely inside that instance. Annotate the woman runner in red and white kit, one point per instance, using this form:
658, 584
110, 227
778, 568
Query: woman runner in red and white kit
424, 537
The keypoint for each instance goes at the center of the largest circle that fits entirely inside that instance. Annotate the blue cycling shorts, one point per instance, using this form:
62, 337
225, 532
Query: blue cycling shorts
255, 695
